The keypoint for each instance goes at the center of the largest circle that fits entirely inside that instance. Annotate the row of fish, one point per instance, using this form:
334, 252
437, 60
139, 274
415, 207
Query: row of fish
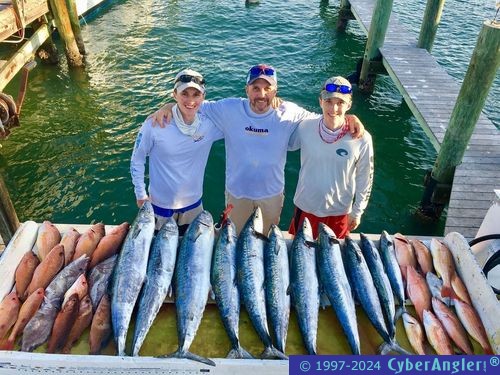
59, 289
433, 285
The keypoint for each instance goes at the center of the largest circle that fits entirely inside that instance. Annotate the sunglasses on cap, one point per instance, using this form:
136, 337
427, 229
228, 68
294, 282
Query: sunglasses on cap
187, 78
259, 70
343, 89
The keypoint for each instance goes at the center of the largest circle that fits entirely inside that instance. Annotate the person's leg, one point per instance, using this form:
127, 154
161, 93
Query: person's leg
271, 210
185, 218
241, 211
338, 224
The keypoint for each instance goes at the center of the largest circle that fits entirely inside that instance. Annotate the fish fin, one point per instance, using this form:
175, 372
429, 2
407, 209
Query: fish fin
261, 236
211, 294
323, 300
7, 344
384, 349
333, 241
310, 244
399, 313
188, 355
488, 350
272, 353
395, 347
239, 353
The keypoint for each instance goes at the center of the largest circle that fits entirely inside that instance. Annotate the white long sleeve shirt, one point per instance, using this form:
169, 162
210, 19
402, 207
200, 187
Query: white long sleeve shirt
335, 178
176, 163
256, 145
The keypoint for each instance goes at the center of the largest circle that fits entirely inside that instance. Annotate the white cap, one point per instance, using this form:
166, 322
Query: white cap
189, 78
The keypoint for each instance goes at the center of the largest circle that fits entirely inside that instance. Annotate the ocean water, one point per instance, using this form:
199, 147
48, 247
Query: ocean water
69, 160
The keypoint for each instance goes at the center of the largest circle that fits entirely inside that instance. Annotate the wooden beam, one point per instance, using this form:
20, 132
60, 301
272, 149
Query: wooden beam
8, 217
22, 56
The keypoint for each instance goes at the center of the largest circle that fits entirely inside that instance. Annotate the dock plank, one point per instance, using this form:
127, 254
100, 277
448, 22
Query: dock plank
430, 93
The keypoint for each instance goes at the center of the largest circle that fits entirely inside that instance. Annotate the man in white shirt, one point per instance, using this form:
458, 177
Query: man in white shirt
256, 139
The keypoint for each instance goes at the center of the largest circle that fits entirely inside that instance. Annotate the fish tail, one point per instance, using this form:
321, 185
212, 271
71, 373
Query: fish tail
392, 346
448, 292
239, 353
7, 344
399, 312
271, 352
188, 355
120, 345
488, 350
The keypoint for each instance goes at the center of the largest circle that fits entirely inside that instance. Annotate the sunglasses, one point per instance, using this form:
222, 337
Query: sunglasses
343, 89
187, 78
261, 70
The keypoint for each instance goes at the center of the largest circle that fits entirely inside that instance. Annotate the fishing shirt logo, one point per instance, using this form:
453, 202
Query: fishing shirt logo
256, 131
342, 152
138, 141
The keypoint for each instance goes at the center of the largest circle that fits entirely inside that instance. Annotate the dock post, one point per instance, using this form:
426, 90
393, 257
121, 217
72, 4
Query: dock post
481, 72
376, 36
430, 23
345, 15
75, 25
8, 217
61, 16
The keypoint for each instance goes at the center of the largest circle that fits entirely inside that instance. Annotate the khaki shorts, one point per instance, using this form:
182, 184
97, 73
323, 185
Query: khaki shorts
183, 219
243, 208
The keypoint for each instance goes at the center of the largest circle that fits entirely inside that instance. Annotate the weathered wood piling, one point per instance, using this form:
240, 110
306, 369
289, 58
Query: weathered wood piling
430, 23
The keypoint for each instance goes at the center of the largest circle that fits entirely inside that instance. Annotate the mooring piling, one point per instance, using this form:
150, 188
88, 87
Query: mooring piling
430, 24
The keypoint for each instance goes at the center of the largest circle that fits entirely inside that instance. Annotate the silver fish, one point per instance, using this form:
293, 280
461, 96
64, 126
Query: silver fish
391, 266
334, 281
130, 272
225, 288
277, 278
160, 270
304, 285
250, 272
192, 283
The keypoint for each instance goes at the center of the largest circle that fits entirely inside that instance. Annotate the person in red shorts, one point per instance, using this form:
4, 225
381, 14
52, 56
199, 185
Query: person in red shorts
336, 170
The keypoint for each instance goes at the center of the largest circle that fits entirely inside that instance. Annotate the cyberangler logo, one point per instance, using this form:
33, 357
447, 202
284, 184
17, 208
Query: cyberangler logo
255, 131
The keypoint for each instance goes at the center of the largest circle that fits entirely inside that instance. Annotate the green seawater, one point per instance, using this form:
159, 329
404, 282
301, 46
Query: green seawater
69, 161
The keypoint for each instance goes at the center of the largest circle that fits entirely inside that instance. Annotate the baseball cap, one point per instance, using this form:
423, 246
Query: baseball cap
189, 78
337, 87
263, 71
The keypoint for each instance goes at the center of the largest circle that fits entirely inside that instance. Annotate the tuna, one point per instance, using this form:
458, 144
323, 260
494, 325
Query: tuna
159, 274
130, 273
277, 280
251, 276
225, 288
334, 281
192, 283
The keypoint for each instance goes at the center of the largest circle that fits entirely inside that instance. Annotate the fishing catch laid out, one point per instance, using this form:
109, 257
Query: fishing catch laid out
109, 282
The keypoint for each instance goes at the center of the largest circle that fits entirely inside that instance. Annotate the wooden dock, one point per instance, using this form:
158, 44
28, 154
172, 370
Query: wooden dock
431, 93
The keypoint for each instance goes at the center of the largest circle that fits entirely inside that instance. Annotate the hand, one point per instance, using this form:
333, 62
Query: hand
276, 102
163, 116
140, 202
356, 128
353, 223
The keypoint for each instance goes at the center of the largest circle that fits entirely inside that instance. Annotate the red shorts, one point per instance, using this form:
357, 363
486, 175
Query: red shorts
337, 223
